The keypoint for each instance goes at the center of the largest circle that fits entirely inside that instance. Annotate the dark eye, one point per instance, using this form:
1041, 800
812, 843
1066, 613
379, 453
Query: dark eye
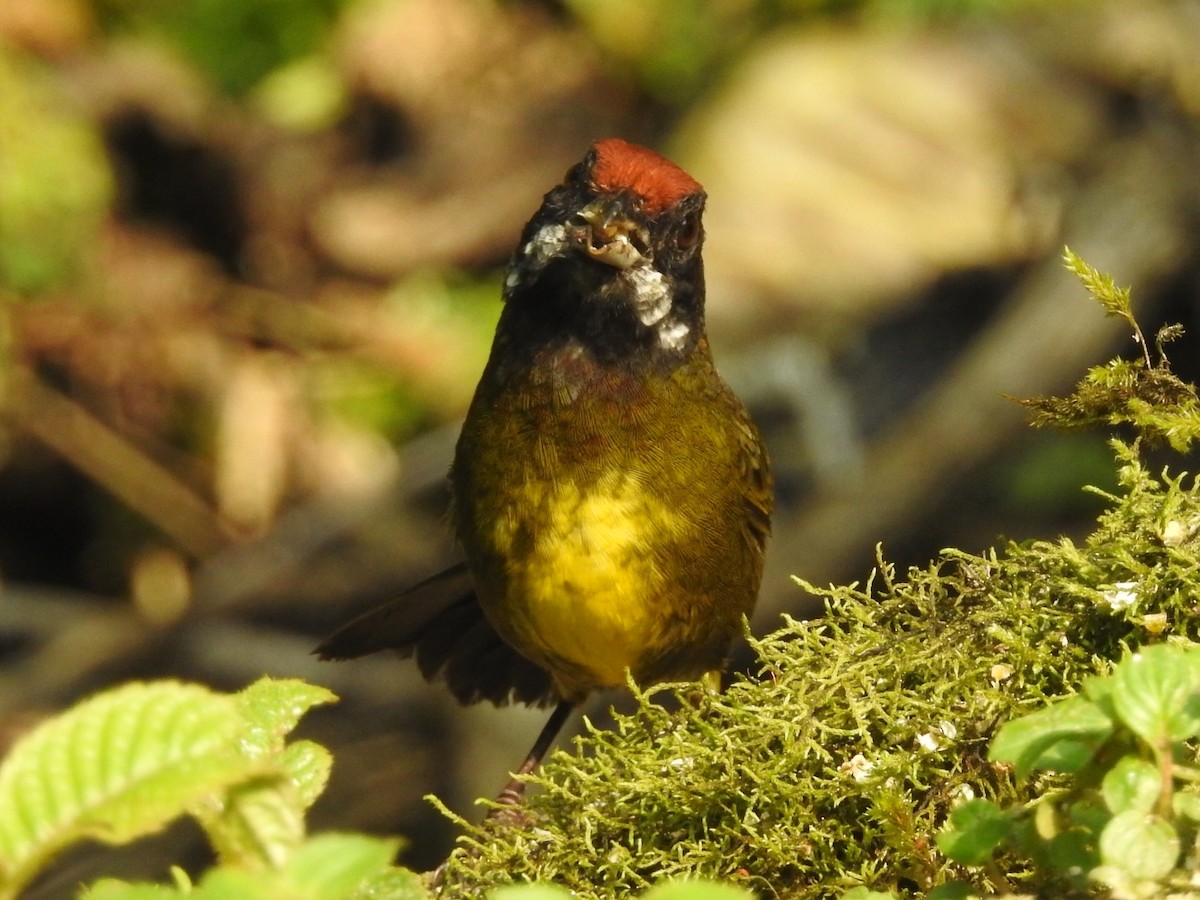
689, 231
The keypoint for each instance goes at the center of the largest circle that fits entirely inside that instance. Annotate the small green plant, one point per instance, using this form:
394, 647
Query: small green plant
1142, 393
125, 763
1113, 768
1132, 804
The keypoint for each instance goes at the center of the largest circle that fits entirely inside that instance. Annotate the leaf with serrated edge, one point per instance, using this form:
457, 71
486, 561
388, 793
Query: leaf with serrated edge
271, 708
307, 764
260, 824
116, 766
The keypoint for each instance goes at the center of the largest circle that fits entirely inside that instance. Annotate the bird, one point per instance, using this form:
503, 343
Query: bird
610, 494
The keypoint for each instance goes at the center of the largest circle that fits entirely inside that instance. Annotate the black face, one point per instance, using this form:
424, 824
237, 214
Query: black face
597, 268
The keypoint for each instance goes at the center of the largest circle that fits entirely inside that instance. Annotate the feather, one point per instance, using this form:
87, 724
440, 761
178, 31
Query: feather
441, 622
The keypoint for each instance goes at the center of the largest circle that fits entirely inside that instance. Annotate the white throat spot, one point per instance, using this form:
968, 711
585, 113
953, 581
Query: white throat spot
549, 242
652, 294
671, 335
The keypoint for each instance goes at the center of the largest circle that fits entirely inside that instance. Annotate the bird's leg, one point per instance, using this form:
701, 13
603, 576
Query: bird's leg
515, 789
505, 814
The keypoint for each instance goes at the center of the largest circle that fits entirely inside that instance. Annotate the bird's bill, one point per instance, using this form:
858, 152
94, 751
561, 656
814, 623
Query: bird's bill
605, 232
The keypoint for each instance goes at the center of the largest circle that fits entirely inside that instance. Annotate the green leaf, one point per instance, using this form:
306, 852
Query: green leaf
271, 708
334, 865
1131, 785
1144, 846
257, 824
976, 828
261, 823
327, 867
117, 766
1025, 741
307, 764
1156, 693
865, 893
1099, 690
1066, 756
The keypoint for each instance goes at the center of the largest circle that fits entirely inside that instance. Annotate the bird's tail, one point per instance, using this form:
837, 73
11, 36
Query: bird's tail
440, 622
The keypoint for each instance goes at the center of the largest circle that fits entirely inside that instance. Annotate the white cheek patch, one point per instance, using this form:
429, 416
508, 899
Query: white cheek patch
549, 242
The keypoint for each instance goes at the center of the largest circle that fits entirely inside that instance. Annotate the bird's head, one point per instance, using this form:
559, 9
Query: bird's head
612, 257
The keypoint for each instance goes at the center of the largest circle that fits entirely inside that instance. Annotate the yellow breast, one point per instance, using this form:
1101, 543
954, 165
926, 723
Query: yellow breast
584, 584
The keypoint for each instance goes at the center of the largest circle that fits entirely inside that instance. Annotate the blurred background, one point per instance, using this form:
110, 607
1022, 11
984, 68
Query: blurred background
250, 258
